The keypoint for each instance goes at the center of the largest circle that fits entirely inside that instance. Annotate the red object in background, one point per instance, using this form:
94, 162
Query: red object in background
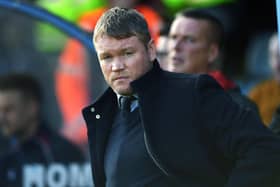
224, 82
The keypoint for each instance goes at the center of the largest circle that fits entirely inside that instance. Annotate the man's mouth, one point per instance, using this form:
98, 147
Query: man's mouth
120, 78
177, 60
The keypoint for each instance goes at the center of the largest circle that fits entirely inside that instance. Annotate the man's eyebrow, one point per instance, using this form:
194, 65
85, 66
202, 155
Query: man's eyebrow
102, 54
128, 48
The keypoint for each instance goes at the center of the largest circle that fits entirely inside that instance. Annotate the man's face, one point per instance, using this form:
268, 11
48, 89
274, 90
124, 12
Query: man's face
189, 47
15, 113
123, 61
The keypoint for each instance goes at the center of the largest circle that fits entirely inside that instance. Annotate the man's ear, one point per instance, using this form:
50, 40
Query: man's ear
213, 53
152, 50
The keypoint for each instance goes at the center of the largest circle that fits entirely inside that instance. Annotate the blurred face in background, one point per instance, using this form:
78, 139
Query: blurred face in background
274, 57
162, 50
190, 49
17, 114
123, 60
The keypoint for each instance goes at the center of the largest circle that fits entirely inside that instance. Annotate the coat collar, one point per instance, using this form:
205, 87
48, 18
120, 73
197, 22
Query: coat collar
148, 80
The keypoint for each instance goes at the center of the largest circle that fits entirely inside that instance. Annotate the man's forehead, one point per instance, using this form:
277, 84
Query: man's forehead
182, 23
11, 94
104, 36
108, 42
9, 97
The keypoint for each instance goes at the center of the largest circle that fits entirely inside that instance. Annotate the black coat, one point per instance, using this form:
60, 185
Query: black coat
194, 132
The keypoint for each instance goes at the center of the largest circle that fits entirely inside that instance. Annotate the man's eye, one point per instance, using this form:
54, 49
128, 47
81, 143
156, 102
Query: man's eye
106, 57
128, 53
172, 37
189, 39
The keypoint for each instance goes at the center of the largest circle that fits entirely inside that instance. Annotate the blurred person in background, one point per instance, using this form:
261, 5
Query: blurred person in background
195, 46
162, 43
266, 94
37, 155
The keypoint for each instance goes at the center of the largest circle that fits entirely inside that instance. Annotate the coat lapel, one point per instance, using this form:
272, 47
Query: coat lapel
99, 118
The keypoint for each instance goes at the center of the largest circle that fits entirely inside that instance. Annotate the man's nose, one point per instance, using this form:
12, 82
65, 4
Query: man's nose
177, 44
118, 64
